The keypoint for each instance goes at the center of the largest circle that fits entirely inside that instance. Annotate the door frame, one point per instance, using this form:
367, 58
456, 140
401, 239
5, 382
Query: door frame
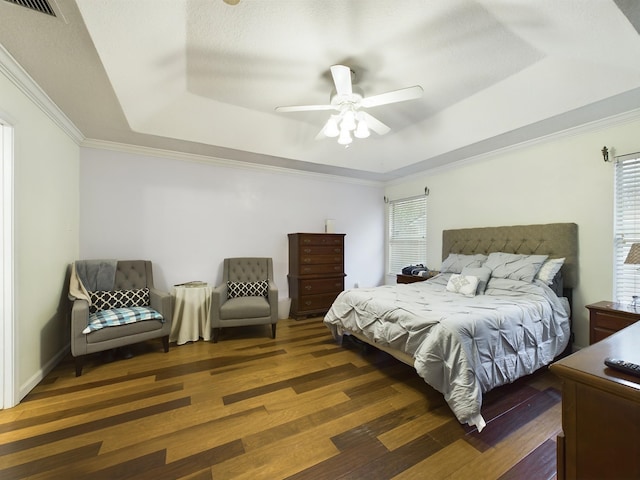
7, 298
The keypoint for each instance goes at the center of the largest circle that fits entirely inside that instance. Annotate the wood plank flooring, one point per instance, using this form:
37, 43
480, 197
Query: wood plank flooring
297, 407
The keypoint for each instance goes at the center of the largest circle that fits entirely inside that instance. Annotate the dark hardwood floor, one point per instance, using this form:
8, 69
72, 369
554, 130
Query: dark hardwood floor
298, 407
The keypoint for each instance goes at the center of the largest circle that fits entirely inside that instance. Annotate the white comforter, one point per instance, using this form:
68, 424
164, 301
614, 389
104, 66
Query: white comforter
461, 346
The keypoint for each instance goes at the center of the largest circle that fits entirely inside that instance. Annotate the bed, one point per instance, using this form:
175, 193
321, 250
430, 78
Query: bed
466, 332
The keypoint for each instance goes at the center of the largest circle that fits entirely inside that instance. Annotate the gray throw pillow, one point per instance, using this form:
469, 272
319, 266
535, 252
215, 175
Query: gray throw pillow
455, 262
482, 274
514, 266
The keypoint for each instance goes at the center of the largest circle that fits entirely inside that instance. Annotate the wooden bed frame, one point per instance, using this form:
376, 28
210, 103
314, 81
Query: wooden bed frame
558, 240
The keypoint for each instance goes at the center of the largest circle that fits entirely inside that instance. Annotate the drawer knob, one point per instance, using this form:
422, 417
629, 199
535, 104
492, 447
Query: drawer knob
308, 287
307, 250
306, 260
308, 303
306, 270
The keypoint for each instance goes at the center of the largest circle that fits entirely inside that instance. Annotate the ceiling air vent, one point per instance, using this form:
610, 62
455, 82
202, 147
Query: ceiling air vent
37, 5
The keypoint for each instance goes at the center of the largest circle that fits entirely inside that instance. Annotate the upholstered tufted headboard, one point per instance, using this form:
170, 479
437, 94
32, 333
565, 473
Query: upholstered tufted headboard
554, 239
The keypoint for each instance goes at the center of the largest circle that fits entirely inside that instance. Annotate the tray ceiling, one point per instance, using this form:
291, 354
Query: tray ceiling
204, 76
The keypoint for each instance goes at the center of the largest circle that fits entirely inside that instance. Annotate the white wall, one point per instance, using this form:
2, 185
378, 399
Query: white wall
46, 199
562, 179
187, 216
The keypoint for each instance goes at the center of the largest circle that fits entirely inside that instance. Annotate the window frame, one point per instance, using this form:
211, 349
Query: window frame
626, 226
414, 243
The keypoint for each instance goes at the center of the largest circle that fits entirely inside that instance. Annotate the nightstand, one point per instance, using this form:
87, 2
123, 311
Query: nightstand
401, 278
606, 318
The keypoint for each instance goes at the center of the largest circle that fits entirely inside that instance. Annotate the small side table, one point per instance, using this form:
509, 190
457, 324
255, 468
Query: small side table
191, 308
401, 278
606, 318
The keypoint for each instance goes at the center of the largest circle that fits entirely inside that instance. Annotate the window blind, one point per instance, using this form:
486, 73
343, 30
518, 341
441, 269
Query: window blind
407, 221
626, 226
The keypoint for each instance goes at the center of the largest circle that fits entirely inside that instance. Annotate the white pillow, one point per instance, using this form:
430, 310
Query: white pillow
549, 270
463, 284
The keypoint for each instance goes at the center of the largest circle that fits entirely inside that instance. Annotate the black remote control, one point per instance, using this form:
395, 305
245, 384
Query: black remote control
626, 367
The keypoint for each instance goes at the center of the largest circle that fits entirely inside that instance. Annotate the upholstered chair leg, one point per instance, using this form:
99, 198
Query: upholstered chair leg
216, 334
165, 343
79, 362
273, 330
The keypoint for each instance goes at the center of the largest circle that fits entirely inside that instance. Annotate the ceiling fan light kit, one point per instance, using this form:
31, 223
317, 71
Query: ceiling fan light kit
345, 137
344, 124
362, 130
331, 129
348, 100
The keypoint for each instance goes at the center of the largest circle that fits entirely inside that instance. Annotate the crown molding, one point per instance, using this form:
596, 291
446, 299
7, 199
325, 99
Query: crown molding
27, 85
596, 125
221, 162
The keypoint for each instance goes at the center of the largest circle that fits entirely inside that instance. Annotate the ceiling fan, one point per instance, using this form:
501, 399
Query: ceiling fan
348, 100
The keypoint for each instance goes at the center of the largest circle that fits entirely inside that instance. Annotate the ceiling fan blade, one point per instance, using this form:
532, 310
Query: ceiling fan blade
305, 108
342, 78
394, 96
374, 124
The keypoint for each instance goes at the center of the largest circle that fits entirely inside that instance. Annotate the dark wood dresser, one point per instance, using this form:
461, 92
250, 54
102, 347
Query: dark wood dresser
606, 318
600, 411
316, 272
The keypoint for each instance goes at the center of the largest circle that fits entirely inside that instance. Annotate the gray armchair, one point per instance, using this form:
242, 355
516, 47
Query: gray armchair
246, 296
129, 278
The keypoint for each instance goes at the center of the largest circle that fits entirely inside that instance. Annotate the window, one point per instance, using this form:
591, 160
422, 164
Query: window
626, 226
407, 220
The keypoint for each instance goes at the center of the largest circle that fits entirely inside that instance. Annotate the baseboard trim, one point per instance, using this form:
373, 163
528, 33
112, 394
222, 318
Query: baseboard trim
37, 377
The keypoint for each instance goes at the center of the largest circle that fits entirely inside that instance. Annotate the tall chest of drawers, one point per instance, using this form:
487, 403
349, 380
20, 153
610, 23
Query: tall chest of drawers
316, 272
